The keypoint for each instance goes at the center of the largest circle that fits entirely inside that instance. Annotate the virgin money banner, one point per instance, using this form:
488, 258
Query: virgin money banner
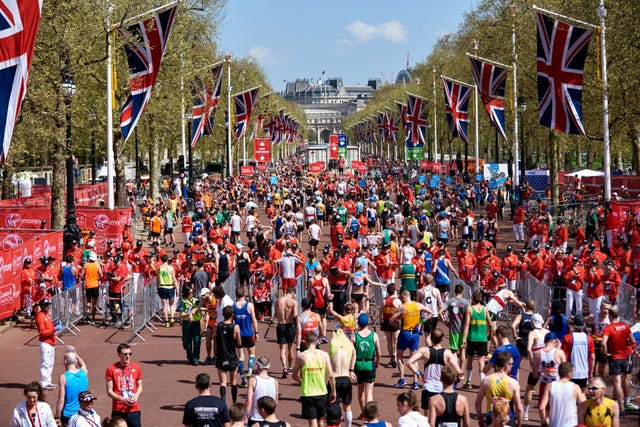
333, 146
107, 224
425, 164
85, 195
247, 170
262, 150
262, 167
622, 213
16, 246
359, 166
317, 167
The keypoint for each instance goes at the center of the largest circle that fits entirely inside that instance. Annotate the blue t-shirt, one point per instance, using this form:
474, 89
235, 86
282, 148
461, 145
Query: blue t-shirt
515, 355
76, 382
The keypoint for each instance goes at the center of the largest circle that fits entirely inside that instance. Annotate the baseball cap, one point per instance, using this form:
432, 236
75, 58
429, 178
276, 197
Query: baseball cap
537, 321
204, 291
578, 321
363, 320
550, 337
45, 301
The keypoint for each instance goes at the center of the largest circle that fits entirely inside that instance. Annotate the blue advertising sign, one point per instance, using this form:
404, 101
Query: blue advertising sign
448, 180
422, 179
273, 180
479, 177
362, 183
493, 184
342, 140
435, 181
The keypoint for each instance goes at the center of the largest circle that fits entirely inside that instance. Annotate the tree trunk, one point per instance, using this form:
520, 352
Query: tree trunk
154, 166
7, 173
118, 160
58, 176
634, 136
553, 171
579, 158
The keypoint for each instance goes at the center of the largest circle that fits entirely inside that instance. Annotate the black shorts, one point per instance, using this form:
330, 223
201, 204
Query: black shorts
343, 390
357, 297
313, 242
154, 234
314, 407
531, 380
620, 366
600, 356
92, 292
371, 225
248, 342
286, 333
476, 348
467, 236
227, 365
443, 287
168, 231
426, 396
320, 311
431, 324
300, 228
386, 326
581, 382
166, 293
115, 297
365, 376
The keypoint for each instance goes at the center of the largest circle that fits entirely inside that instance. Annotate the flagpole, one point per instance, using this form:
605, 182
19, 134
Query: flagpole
230, 152
602, 14
182, 114
514, 55
475, 104
435, 119
110, 157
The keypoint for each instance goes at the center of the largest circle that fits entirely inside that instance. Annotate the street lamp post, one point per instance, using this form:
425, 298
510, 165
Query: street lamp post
92, 123
71, 230
429, 152
189, 118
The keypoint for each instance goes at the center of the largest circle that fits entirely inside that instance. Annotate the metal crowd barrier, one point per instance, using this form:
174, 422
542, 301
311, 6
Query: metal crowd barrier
531, 288
627, 302
468, 290
230, 284
139, 308
68, 308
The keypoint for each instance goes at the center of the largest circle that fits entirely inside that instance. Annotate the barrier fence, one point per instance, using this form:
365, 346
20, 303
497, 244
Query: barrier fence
531, 288
627, 302
67, 309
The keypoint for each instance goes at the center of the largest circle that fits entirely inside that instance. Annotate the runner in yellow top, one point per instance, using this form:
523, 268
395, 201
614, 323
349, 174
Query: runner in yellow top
598, 410
313, 370
499, 386
410, 331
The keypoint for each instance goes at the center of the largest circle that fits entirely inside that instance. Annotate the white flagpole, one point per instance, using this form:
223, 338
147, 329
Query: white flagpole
475, 103
435, 120
514, 54
182, 115
602, 14
110, 158
230, 152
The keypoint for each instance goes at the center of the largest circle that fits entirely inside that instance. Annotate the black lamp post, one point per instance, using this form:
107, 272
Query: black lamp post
71, 230
429, 151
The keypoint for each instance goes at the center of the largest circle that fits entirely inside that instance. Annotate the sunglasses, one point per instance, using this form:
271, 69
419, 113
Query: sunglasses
596, 387
129, 354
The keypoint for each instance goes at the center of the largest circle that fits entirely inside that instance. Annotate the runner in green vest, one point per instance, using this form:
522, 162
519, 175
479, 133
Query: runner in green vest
476, 334
367, 357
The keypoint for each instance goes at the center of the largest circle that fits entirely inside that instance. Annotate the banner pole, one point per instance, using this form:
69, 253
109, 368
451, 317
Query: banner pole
110, 157
435, 119
514, 54
602, 14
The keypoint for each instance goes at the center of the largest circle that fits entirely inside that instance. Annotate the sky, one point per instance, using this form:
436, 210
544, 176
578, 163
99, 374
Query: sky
353, 39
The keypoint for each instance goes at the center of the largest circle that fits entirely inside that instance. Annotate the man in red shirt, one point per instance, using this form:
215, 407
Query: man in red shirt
124, 385
117, 281
339, 270
509, 268
518, 223
466, 263
47, 337
610, 281
618, 344
562, 236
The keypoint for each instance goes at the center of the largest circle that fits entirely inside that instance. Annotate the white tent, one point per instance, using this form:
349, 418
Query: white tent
585, 173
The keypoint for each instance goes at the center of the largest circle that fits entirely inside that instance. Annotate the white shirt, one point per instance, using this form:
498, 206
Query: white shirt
314, 231
236, 221
226, 301
413, 419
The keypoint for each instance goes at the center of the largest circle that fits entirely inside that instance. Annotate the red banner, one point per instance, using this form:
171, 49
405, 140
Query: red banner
262, 167
359, 166
262, 150
425, 164
317, 167
18, 245
247, 170
436, 167
107, 224
333, 146
85, 195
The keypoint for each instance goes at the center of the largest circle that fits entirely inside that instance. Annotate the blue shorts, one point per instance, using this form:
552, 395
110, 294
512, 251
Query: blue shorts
408, 340
166, 293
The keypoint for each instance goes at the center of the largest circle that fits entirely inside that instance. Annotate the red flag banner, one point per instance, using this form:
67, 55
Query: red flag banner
425, 164
262, 167
333, 147
318, 167
262, 150
247, 170
359, 166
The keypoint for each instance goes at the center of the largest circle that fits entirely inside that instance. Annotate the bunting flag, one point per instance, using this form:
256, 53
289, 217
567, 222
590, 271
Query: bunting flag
416, 126
19, 21
213, 97
562, 50
382, 126
146, 43
456, 97
490, 80
392, 126
402, 116
245, 102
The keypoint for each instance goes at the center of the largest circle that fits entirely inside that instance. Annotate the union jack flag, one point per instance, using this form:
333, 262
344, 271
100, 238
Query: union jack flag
245, 101
198, 123
415, 121
490, 80
146, 42
392, 126
19, 20
382, 126
402, 115
562, 49
213, 97
456, 97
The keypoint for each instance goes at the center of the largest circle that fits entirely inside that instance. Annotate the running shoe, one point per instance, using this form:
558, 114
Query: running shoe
401, 383
415, 385
243, 384
394, 364
632, 407
285, 373
324, 340
525, 416
467, 386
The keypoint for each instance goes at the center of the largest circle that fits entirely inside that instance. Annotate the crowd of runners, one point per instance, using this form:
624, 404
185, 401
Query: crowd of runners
377, 253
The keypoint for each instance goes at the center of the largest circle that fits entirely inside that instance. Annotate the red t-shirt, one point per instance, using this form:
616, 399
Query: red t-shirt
125, 383
618, 334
